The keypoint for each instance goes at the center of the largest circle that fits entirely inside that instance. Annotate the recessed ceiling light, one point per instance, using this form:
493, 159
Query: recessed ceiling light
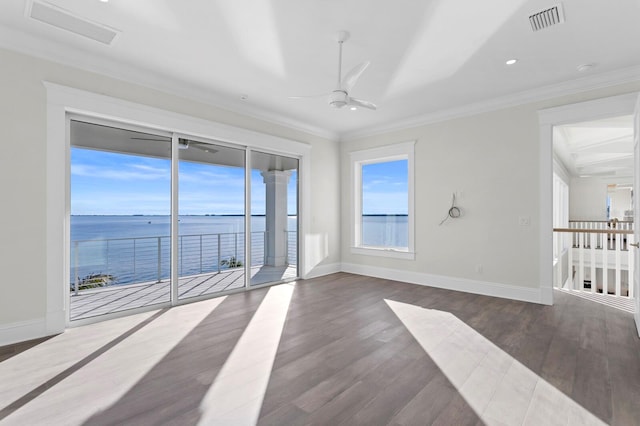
104, 1
511, 61
353, 108
585, 67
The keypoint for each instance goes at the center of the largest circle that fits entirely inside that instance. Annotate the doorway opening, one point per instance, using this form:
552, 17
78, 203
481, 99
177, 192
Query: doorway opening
592, 200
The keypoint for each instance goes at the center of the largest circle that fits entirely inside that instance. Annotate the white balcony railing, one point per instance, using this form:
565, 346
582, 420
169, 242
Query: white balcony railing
597, 259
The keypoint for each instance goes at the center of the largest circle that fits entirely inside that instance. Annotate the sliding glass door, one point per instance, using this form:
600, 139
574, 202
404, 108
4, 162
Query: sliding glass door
274, 218
211, 243
121, 218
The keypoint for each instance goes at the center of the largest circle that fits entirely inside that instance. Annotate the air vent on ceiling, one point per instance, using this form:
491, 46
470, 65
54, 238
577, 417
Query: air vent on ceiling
547, 17
61, 18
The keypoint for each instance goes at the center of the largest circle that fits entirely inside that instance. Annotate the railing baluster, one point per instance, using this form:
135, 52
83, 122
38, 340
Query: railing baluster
107, 256
219, 260
134, 259
77, 273
632, 265
200, 253
581, 262
618, 244
614, 243
159, 259
592, 260
605, 266
570, 265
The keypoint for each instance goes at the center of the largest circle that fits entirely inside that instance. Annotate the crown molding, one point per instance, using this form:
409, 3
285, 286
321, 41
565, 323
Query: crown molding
21, 42
571, 87
46, 49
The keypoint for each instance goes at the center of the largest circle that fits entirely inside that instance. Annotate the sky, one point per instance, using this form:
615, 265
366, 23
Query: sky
384, 188
106, 183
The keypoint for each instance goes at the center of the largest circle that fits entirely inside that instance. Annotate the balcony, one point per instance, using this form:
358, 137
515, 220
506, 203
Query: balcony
113, 275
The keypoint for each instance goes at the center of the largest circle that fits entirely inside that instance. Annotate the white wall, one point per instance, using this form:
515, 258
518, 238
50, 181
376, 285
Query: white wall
474, 157
493, 159
588, 199
620, 201
23, 183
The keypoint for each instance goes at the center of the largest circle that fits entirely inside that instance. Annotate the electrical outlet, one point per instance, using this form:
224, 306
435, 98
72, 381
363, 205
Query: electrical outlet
524, 220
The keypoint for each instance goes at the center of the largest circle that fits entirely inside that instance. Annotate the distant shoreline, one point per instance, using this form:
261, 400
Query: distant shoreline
166, 215
214, 215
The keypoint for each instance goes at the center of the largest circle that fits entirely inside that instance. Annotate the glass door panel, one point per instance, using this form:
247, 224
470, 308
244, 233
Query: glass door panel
274, 218
120, 219
211, 242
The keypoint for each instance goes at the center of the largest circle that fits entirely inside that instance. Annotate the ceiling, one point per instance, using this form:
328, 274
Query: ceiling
427, 57
599, 148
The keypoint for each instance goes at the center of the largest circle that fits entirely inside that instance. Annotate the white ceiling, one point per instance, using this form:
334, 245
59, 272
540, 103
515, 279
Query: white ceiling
599, 148
427, 56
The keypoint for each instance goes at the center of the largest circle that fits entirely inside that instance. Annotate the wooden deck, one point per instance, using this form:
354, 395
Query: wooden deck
95, 302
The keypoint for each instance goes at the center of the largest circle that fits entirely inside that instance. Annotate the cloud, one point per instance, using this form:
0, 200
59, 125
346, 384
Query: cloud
125, 172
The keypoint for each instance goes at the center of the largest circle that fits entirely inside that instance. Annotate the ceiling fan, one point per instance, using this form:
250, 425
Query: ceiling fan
339, 97
182, 143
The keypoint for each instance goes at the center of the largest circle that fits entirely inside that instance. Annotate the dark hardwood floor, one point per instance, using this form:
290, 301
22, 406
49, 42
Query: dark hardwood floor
345, 357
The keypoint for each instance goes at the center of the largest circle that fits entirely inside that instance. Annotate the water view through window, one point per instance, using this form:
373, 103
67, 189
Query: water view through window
385, 204
120, 222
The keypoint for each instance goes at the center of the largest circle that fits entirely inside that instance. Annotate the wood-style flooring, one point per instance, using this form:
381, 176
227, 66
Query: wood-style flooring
340, 349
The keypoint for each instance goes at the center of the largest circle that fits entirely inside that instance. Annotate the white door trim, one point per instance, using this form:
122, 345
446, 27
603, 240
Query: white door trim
63, 100
572, 113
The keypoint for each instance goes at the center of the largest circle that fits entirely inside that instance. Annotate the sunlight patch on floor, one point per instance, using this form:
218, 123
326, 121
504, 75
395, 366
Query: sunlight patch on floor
496, 386
101, 383
236, 395
29, 369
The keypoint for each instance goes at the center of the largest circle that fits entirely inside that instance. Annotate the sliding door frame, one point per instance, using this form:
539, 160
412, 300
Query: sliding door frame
65, 102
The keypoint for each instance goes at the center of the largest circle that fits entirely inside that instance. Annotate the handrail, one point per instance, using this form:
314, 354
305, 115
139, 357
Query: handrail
594, 231
162, 236
600, 221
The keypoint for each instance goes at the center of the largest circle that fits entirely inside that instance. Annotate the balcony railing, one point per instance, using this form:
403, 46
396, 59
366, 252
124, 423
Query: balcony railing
119, 261
594, 260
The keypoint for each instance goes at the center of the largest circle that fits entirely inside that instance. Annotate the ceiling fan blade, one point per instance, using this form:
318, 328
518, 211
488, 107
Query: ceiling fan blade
361, 103
203, 147
152, 139
308, 96
351, 78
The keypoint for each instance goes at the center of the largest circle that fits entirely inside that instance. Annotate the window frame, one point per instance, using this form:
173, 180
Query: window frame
399, 151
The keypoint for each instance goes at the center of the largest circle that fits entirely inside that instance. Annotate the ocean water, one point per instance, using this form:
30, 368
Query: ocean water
385, 230
137, 248
103, 227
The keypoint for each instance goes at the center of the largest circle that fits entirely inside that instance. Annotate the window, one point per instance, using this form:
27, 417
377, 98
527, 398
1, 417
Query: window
382, 201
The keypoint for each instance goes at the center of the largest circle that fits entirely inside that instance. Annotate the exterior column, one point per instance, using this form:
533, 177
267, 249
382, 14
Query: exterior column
276, 216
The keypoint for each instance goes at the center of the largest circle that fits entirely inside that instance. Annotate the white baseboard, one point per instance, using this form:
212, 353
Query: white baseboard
321, 270
546, 295
533, 295
21, 331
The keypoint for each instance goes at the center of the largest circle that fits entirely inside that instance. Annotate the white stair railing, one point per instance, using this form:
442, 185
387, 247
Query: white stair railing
595, 258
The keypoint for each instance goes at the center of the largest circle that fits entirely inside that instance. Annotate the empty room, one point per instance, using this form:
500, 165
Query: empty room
287, 212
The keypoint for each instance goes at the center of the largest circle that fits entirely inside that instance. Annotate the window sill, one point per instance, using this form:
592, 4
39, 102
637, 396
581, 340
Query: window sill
384, 252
